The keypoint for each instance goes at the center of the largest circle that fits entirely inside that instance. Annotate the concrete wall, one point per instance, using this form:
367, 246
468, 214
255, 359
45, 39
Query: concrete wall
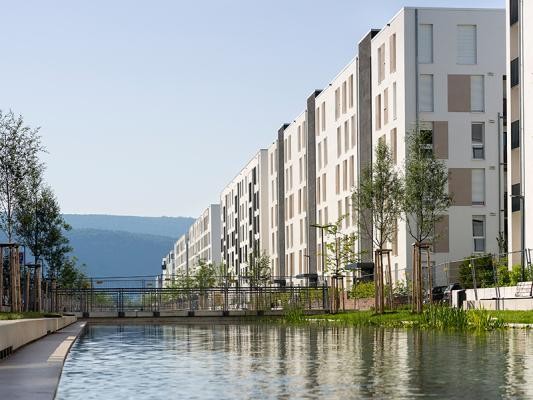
17, 333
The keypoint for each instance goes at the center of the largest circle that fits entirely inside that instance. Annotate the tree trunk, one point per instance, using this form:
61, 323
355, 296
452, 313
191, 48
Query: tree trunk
389, 278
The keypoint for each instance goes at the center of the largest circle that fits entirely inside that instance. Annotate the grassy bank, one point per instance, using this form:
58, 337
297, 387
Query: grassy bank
434, 318
24, 315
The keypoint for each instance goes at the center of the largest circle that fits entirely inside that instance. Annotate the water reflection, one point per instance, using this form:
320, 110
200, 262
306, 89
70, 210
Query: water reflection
260, 361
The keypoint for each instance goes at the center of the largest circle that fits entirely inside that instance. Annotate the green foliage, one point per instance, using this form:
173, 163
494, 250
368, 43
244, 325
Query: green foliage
515, 275
363, 290
484, 271
426, 197
377, 201
205, 276
483, 320
340, 248
402, 288
19, 149
293, 313
259, 273
439, 317
71, 275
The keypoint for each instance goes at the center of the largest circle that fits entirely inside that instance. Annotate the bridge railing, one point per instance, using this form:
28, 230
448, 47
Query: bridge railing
187, 299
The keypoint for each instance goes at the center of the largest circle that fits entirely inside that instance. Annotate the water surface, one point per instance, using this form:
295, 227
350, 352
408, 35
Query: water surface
279, 362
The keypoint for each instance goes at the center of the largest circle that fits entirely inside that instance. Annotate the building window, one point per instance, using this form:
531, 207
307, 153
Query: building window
339, 141
515, 134
478, 186
427, 140
319, 155
346, 135
426, 93
352, 130
325, 149
478, 233
515, 72
352, 169
381, 63
324, 187
337, 179
345, 175
392, 50
377, 110
386, 106
394, 100
466, 44
350, 91
515, 200
513, 11
323, 116
478, 147
344, 95
393, 145
337, 103
477, 93
425, 43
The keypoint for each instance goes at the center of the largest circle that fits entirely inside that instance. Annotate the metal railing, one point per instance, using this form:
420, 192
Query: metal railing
124, 299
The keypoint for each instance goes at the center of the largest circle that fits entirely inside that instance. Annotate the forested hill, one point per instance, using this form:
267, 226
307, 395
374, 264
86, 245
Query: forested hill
114, 245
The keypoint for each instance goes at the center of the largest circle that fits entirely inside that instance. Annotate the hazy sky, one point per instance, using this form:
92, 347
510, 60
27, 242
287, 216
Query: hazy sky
151, 107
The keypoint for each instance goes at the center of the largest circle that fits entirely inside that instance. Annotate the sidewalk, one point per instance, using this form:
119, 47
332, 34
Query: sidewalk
33, 372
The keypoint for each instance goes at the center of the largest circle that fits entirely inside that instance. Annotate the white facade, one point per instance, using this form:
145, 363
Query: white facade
244, 215
336, 154
460, 72
519, 34
181, 255
204, 238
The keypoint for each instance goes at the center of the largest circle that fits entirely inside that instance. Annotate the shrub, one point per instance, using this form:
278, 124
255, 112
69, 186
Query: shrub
363, 290
483, 268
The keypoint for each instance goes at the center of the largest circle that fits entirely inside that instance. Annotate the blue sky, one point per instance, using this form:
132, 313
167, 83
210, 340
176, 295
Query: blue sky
151, 107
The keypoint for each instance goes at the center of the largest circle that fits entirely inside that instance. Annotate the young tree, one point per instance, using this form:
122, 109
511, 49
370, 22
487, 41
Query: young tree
377, 203
205, 276
19, 149
259, 273
426, 198
340, 251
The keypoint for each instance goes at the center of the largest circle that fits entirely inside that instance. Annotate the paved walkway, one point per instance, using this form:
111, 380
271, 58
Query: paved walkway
33, 371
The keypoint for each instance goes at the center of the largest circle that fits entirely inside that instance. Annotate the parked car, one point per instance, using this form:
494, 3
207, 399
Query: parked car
437, 293
447, 294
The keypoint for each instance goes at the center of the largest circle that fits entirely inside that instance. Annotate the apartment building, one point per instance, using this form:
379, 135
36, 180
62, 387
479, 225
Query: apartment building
167, 267
244, 215
204, 238
288, 200
336, 128
181, 255
519, 35
443, 70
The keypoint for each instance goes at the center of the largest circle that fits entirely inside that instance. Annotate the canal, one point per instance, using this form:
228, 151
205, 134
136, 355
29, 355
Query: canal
275, 361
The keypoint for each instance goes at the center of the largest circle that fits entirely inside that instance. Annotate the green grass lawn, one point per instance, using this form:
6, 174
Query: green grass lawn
522, 317
24, 315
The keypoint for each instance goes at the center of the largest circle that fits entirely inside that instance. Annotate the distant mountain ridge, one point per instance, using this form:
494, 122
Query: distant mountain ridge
113, 245
162, 226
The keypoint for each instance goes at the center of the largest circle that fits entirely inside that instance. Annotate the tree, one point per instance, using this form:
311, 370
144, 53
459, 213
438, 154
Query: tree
259, 273
377, 203
340, 251
205, 276
39, 223
71, 276
19, 149
426, 198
